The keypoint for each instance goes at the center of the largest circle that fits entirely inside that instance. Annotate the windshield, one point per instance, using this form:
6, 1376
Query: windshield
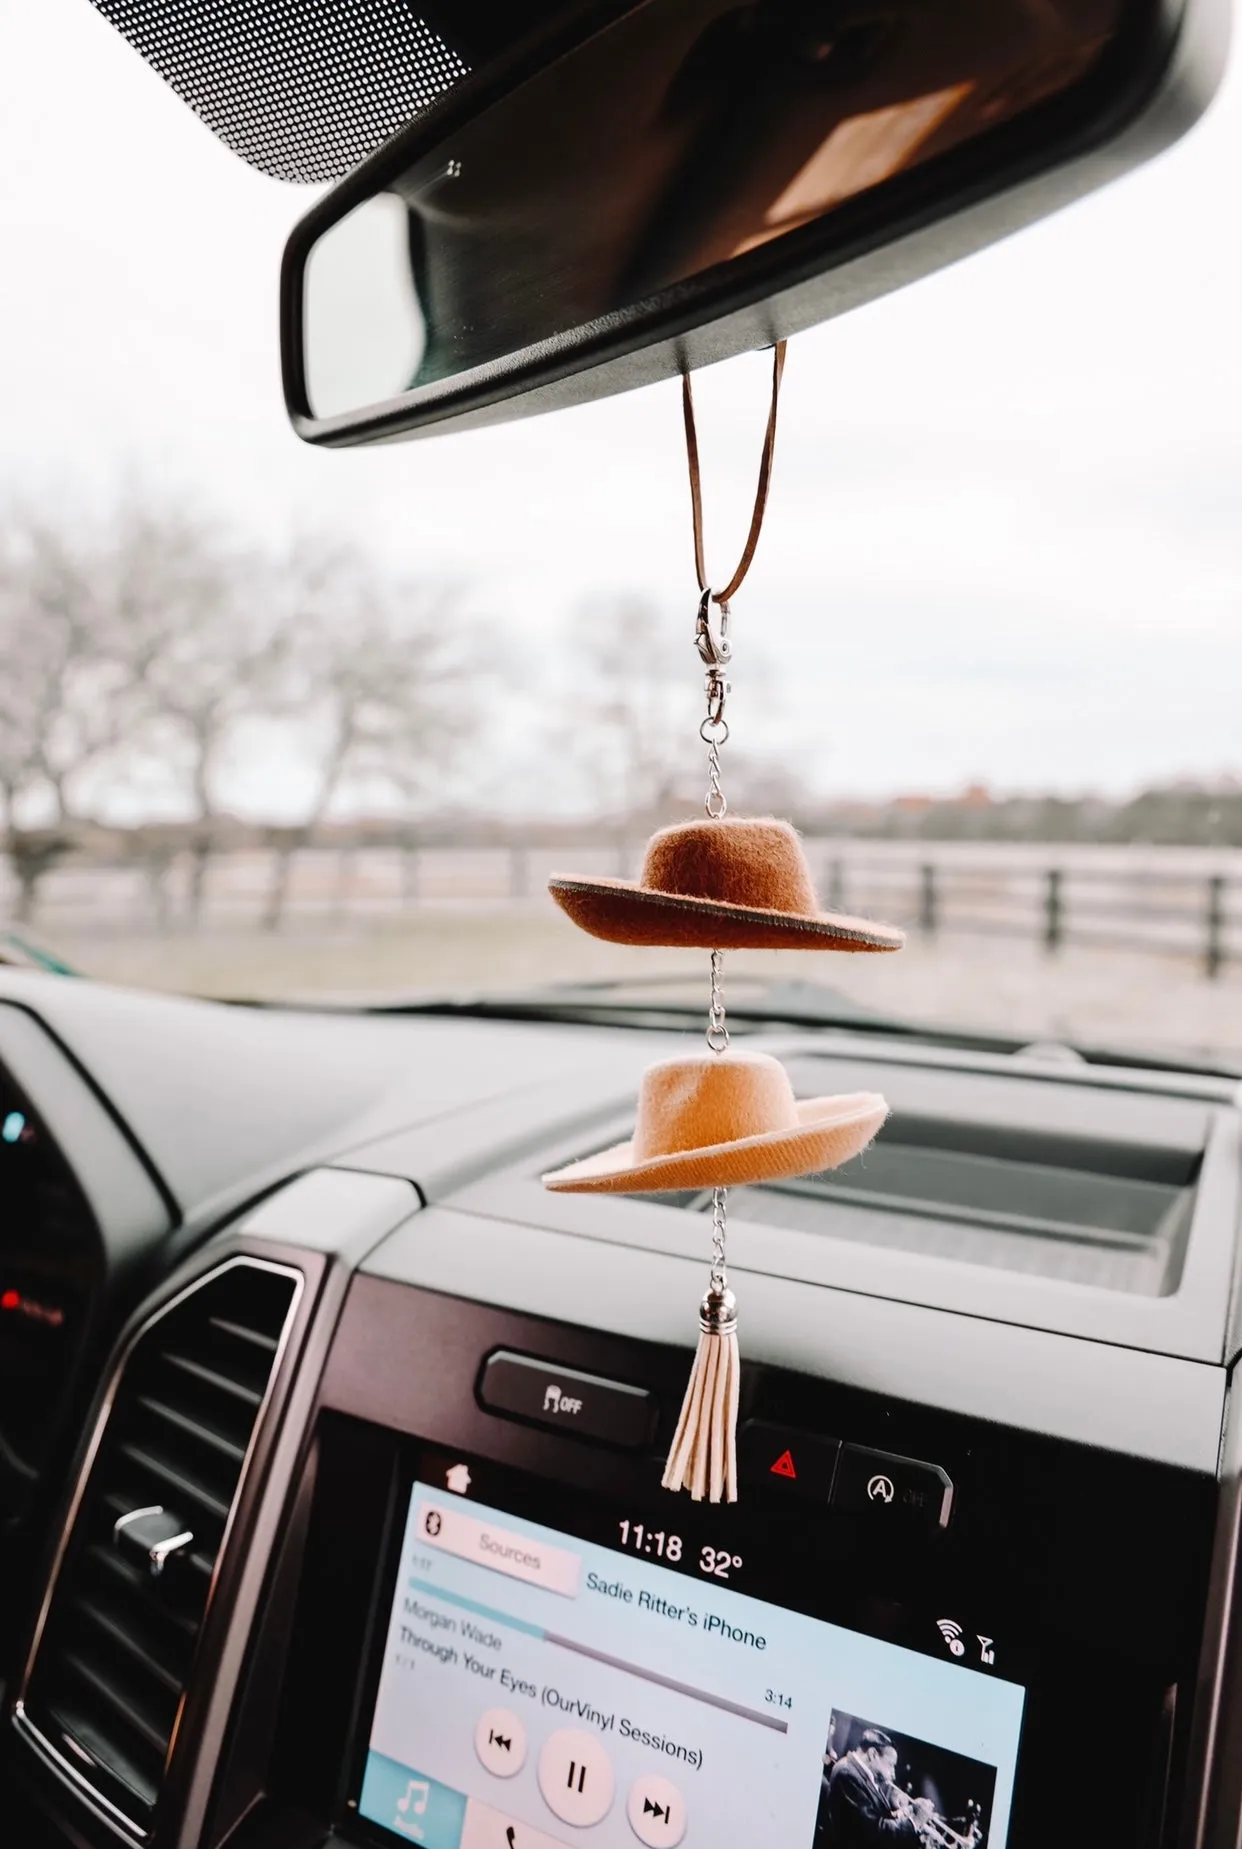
278, 723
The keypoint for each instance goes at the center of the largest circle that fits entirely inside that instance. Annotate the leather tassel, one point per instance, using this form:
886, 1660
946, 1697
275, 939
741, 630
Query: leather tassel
703, 1458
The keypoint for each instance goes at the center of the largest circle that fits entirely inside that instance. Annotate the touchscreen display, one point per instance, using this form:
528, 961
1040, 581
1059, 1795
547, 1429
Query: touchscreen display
539, 1691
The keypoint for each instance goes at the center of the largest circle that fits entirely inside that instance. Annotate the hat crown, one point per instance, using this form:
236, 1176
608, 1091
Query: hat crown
747, 861
700, 1100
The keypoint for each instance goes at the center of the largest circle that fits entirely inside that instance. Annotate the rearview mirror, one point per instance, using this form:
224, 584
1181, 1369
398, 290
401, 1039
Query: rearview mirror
693, 178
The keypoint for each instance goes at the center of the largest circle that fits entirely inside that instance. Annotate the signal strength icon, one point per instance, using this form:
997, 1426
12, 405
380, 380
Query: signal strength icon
951, 1631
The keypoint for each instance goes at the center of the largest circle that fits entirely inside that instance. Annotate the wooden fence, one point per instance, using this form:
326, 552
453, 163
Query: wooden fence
1173, 910
1176, 902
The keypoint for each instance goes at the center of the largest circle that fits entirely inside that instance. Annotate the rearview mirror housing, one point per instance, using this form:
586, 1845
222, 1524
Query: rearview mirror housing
639, 192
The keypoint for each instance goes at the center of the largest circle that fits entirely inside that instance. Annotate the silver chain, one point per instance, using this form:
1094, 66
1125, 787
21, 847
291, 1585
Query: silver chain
720, 1276
717, 1027
714, 735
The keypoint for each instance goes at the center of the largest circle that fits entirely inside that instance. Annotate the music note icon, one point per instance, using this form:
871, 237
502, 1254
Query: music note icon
417, 1786
414, 1802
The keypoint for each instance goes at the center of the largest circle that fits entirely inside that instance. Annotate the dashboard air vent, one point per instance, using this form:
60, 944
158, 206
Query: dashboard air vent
1081, 1183
133, 1585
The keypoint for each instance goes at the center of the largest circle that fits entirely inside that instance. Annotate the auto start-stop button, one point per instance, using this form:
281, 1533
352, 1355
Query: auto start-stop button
897, 1488
564, 1400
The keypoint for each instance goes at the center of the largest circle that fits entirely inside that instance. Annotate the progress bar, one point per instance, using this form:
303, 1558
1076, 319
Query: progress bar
600, 1656
680, 1688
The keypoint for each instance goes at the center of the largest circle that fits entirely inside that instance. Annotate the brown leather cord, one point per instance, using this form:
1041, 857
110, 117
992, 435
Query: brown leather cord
761, 491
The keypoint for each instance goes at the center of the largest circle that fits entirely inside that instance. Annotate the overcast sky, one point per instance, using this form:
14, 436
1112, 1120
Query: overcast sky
1006, 533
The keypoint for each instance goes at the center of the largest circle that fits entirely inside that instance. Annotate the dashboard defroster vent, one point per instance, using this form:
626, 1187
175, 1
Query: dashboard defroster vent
105, 1690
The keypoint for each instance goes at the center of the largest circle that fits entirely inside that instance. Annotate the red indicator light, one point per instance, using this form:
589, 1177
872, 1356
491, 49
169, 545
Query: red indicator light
49, 1314
784, 1465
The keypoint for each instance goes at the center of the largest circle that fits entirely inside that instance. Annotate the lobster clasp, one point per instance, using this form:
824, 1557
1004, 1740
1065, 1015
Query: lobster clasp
711, 632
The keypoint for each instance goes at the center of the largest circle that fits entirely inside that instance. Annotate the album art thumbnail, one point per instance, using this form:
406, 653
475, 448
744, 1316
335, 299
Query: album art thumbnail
883, 1788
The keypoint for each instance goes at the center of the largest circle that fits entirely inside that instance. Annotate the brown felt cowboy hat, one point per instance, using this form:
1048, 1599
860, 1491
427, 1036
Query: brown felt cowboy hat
727, 884
721, 1120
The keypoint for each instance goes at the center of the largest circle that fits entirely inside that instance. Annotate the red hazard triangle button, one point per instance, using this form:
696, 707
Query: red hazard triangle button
791, 1462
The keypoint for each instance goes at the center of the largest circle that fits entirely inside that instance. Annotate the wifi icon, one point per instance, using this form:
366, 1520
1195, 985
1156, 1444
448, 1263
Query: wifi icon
951, 1631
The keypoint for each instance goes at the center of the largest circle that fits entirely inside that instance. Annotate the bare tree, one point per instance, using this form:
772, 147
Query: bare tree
205, 623
385, 680
63, 705
23, 690
140, 654
131, 653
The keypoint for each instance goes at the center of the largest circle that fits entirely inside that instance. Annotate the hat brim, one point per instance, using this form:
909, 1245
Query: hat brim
623, 912
828, 1132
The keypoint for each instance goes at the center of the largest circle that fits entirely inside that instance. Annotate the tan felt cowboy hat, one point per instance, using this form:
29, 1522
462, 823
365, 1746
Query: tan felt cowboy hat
720, 1120
731, 884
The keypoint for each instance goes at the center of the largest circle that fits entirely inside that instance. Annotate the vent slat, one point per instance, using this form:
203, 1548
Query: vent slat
120, 1642
256, 1338
170, 1477
75, 1725
148, 1730
129, 1644
212, 1377
110, 1561
193, 1428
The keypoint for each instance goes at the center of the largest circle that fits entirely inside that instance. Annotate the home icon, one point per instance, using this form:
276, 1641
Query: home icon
457, 1478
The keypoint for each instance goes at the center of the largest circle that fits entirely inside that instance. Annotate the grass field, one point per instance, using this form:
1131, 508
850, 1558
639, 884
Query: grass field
1096, 996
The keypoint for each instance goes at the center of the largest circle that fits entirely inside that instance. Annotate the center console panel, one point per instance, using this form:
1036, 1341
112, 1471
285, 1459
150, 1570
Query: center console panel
1018, 1617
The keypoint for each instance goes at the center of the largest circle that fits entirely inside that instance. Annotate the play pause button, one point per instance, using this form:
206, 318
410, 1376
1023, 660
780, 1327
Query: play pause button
657, 1811
575, 1777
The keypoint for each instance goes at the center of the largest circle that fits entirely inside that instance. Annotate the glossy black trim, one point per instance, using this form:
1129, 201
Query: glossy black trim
783, 286
1065, 1545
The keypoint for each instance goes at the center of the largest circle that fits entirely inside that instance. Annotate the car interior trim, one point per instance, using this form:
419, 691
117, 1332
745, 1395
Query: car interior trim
1153, 1406
21, 1718
1213, 1818
129, 1200
488, 1162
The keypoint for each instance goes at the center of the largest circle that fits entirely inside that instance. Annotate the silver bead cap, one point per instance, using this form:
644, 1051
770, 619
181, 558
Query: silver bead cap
718, 1312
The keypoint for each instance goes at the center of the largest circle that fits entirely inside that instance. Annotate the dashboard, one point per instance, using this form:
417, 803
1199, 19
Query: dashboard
330, 1448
